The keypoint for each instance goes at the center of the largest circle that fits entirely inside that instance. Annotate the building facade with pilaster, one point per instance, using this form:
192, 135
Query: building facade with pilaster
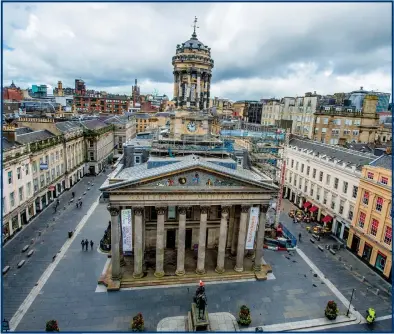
192, 74
323, 180
371, 232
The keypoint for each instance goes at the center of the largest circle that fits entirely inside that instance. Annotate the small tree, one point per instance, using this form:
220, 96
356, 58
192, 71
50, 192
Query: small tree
244, 316
137, 325
52, 326
332, 310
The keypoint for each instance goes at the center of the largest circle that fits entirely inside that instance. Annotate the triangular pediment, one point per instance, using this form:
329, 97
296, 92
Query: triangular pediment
195, 177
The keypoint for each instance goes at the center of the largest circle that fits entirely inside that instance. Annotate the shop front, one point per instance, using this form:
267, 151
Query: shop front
380, 263
14, 223
31, 210
307, 205
313, 211
346, 233
327, 221
58, 189
367, 252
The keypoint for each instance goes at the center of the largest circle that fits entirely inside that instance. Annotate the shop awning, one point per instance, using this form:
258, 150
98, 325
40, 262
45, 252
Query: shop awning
313, 209
327, 219
307, 205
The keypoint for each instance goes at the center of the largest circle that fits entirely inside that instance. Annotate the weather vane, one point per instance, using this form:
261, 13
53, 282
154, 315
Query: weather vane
195, 26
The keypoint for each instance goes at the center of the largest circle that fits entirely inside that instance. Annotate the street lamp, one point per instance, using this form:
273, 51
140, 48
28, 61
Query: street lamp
347, 313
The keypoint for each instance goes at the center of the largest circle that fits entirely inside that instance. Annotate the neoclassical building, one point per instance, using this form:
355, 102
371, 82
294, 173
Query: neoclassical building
192, 73
187, 213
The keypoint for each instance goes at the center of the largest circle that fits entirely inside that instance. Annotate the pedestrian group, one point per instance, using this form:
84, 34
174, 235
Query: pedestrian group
85, 244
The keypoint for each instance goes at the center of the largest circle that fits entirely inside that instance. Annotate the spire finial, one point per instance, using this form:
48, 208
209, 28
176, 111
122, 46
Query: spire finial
194, 35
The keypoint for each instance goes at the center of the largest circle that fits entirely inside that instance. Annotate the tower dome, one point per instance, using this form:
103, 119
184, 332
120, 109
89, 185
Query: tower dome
192, 73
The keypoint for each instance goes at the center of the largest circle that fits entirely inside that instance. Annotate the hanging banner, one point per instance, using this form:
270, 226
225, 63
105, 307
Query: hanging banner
127, 231
253, 223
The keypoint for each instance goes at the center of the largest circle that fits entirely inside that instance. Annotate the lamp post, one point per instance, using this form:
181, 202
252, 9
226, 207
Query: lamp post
347, 313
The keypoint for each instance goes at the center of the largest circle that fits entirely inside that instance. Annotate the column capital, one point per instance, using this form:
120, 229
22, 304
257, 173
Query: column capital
264, 208
225, 209
245, 208
204, 209
182, 209
161, 210
113, 210
138, 210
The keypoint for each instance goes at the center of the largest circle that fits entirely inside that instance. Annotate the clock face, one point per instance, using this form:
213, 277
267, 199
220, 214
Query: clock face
191, 126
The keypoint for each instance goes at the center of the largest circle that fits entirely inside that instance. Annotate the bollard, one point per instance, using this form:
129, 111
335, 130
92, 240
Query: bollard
39, 233
377, 291
340, 258
32, 241
351, 267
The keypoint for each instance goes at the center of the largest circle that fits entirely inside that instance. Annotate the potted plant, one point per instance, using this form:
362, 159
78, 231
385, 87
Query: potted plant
332, 310
52, 326
244, 316
137, 324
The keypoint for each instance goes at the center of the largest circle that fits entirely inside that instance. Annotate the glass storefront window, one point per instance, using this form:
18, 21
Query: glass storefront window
380, 262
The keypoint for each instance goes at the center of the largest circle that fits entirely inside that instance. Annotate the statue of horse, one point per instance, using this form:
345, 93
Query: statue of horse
201, 303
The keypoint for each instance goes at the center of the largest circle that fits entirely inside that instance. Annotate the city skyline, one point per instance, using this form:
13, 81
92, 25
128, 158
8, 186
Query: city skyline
259, 57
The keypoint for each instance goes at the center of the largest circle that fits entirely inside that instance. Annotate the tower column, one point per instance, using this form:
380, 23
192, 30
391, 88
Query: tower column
201, 240
222, 240
198, 100
180, 270
160, 242
260, 238
188, 90
239, 266
176, 85
138, 242
115, 241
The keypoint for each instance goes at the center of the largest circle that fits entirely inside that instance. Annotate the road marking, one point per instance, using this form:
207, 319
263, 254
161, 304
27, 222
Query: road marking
386, 317
331, 286
24, 307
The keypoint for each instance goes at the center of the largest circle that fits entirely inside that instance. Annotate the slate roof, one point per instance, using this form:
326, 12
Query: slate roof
116, 120
385, 161
68, 126
34, 136
143, 116
93, 124
136, 174
7, 144
343, 154
21, 131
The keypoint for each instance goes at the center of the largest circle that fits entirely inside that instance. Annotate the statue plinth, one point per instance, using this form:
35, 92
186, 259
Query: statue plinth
198, 324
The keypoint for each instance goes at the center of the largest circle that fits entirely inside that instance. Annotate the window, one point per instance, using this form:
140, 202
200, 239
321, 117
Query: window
325, 120
325, 197
35, 184
308, 170
171, 212
27, 169
348, 122
336, 181
42, 180
384, 180
91, 156
297, 165
370, 175
323, 130
302, 168
355, 132
333, 202
357, 122
290, 177
366, 198
374, 227
53, 173
361, 220
34, 166
311, 190
300, 183
137, 160
318, 194
57, 171
29, 189
21, 193
350, 213
321, 176
379, 204
318, 120
91, 143
12, 199
18, 173
328, 179
355, 190
306, 186
52, 158
314, 173
292, 163
9, 177
4, 206
341, 207
345, 186
295, 180
346, 132
388, 235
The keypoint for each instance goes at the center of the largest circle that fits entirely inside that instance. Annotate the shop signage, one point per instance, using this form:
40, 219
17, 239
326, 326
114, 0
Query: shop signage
127, 231
43, 166
253, 222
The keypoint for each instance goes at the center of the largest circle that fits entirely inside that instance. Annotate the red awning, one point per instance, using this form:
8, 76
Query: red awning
307, 205
313, 209
327, 219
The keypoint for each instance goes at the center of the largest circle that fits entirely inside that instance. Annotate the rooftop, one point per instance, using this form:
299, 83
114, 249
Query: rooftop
34, 136
385, 161
335, 152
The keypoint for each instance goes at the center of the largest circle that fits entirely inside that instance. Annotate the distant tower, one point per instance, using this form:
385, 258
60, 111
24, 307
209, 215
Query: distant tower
135, 93
192, 73
60, 89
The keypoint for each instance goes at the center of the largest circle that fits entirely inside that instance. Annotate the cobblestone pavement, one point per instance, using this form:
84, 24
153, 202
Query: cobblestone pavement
69, 294
339, 273
379, 326
17, 283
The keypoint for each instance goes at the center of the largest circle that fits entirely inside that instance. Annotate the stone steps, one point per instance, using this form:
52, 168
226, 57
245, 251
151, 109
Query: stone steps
131, 283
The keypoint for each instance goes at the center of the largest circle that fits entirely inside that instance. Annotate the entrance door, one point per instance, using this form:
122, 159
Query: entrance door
23, 218
355, 244
170, 239
188, 241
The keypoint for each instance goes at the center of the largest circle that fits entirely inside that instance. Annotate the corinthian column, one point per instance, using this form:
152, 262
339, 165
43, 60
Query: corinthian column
198, 89
180, 270
260, 238
189, 85
239, 266
138, 242
115, 240
201, 240
222, 240
160, 242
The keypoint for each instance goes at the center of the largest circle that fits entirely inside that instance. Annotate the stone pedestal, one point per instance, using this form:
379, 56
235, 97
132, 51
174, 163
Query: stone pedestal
194, 323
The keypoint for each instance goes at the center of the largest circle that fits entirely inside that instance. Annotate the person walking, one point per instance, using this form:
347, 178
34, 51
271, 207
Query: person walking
299, 237
91, 244
86, 244
83, 244
73, 194
80, 204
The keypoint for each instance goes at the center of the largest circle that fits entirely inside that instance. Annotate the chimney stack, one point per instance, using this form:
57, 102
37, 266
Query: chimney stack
9, 132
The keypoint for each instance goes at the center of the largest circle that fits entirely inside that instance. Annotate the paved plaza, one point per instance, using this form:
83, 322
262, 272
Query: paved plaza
71, 296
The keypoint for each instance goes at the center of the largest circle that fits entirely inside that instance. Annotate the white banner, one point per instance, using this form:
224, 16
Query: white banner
253, 223
127, 231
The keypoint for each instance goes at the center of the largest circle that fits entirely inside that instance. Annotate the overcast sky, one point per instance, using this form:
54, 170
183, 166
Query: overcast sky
260, 50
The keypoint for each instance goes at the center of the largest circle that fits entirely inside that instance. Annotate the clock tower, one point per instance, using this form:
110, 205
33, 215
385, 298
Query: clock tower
185, 125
